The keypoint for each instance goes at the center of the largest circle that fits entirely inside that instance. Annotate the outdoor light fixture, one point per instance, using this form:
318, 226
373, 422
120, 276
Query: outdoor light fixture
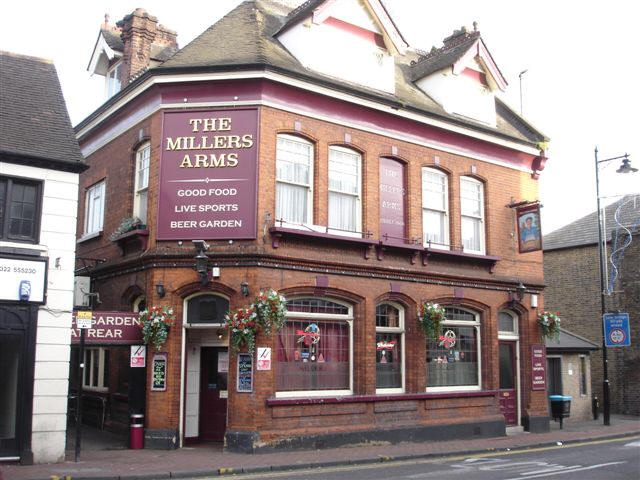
244, 289
520, 291
625, 167
160, 290
220, 333
202, 261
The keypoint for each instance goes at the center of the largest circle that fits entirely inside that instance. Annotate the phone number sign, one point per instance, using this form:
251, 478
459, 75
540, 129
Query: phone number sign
616, 330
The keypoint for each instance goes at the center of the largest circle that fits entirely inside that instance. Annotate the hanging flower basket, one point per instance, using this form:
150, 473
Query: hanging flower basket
430, 320
155, 323
243, 327
549, 324
271, 308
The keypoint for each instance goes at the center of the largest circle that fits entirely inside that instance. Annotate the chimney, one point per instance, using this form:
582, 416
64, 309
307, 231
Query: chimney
460, 36
141, 36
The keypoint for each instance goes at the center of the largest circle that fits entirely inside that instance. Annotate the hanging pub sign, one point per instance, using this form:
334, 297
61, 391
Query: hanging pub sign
245, 373
109, 328
208, 174
529, 231
159, 373
538, 367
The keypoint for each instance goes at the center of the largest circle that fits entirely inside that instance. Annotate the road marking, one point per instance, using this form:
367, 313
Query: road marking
590, 467
633, 444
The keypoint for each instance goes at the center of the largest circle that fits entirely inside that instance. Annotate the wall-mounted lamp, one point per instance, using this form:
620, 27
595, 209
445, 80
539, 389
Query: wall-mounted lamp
160, 290
244, 289
220, 333
202, 261
520, 291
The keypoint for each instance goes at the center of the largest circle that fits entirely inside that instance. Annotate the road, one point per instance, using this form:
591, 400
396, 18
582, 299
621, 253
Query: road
611, 459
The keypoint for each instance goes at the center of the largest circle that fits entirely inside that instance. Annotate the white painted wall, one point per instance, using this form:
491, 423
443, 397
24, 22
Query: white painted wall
341, 54
461, 95
53, 336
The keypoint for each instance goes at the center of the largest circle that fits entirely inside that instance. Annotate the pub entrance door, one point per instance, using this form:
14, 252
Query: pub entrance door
508, 390
214, 368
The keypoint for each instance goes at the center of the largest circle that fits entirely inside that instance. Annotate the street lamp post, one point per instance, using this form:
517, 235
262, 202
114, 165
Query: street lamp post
625, 167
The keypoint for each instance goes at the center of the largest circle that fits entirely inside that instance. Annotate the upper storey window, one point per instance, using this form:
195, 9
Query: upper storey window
112, 79
435, 208
472, 215
294, 180
94, 209
19, 210
345, 197
141, 182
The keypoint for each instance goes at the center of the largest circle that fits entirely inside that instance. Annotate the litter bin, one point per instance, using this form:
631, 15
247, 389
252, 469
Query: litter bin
560, 407
136, 431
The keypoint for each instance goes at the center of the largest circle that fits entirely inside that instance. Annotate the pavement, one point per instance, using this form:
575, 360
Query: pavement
104, 456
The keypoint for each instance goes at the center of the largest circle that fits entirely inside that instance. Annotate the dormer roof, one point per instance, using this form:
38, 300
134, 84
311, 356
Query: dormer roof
459, 49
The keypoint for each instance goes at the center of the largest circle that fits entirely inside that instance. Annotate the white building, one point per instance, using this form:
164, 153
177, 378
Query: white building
39, 166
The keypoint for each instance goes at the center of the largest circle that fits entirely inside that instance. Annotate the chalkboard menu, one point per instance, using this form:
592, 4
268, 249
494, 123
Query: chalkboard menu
245, 373
159, 373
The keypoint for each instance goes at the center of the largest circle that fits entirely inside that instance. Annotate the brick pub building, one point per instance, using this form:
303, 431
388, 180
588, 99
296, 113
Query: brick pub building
314, 152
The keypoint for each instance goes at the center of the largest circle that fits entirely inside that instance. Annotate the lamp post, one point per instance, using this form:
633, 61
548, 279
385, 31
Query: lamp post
625, 167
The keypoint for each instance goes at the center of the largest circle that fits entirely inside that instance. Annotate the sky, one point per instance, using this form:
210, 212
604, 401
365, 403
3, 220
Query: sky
580, 87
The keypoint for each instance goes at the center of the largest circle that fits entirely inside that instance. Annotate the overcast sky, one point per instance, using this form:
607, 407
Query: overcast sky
580, 88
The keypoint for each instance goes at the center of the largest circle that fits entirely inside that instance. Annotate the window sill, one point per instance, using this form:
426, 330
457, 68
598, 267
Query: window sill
488, 260
278, 232
277, 402
89, 236
138, 239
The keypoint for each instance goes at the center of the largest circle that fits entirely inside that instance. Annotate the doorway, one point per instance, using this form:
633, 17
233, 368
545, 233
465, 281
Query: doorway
214, 373
508, 390
10, 427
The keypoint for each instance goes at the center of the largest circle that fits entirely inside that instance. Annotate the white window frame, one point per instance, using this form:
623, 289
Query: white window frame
508, 335
142, 153
478, 184
94, 200
430, 208
358, 196
112, 84
135, 306
308, 221
461, 323
401, 330
96, 354
514, 336
348, 318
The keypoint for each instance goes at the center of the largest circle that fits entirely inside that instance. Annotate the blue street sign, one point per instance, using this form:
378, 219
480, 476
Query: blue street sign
616, 329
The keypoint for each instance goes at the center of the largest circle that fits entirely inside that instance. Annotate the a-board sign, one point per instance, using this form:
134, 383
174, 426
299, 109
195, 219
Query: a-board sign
538, 367
159, 373
245, 373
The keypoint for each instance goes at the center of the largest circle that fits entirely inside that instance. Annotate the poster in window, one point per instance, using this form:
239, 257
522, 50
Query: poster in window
245, 373
529, 231
159, 373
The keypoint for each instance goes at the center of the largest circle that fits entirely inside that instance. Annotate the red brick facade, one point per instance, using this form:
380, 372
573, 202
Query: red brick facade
293, 264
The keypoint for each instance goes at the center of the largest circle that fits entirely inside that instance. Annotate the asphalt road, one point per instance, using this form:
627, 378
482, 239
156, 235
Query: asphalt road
610, 459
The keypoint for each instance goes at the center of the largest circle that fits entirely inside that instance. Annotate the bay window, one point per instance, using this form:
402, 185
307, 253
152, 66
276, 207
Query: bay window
435, 208
472, 214
314, 350
389, 348
453, 359
141, 187
345, 179
294, 180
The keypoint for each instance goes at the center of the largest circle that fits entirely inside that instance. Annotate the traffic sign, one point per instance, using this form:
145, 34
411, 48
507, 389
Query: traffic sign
616, 330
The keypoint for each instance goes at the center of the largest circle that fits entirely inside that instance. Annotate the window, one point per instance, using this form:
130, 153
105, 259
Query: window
583, 375
453, 360
19, 209
507, 324
435, 208
294, 178
141, 183
113, 80
96, 369
314, 349
139, 304
389, 348
345, 190
209, 309
472, 212
94, 209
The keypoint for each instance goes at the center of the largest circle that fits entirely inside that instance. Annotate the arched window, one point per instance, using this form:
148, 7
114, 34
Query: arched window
139, 303
472, 215
389, 348
294, 180
208, 309
345, 190
143, 155
507, 324
314, 349
435, 208
453, 359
